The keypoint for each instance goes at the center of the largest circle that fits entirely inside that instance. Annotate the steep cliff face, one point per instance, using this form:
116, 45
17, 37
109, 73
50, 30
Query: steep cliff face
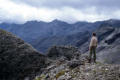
18, 59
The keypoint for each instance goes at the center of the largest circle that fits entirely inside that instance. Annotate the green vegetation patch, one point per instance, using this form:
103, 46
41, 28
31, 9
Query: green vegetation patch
40, 78
60, 74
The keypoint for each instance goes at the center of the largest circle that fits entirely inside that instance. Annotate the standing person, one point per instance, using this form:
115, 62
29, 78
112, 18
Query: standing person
92, 47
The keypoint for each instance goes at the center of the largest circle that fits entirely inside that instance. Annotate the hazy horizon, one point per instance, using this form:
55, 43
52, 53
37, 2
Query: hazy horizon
58, 20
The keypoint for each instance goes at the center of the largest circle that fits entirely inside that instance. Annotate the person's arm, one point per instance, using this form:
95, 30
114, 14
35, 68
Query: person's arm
91, 42
96, 42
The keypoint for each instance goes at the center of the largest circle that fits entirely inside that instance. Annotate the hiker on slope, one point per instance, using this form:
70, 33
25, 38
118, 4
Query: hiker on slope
92, 47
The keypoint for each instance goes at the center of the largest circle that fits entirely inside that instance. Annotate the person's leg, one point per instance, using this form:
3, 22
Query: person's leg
90, 55
94, 51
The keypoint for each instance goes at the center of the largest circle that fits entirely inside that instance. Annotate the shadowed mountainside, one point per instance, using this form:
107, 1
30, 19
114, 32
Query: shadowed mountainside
18, 59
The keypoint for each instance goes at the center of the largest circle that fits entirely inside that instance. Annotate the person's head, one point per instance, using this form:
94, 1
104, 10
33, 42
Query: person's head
93, 34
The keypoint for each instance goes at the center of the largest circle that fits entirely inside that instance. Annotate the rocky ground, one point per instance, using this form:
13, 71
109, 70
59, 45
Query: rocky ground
78, 69
82, 72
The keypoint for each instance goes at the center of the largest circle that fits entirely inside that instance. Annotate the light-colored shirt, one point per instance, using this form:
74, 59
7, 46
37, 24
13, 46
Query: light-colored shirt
93, 41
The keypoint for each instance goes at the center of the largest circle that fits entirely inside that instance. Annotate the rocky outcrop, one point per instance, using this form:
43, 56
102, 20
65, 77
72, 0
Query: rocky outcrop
103, 32
75, 63
67, 52
18, 59
113, 39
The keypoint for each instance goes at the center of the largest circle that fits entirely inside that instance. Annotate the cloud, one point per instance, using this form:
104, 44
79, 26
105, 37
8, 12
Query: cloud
20, 11
10, 11
72, 3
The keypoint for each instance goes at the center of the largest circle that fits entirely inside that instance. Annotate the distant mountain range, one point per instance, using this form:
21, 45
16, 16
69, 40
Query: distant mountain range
35, 32
43, 35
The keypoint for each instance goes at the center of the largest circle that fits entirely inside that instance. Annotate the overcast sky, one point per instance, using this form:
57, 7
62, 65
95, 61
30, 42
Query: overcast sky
20, 11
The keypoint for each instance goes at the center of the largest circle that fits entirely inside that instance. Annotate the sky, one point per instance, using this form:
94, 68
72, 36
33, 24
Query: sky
20, 11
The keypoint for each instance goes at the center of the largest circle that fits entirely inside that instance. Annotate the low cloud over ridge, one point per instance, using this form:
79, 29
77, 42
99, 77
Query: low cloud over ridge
20, 11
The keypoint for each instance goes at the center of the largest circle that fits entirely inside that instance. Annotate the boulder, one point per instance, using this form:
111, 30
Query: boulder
67, 52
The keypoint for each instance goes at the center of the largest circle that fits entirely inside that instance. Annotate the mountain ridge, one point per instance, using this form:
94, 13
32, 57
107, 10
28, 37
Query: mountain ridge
33, 30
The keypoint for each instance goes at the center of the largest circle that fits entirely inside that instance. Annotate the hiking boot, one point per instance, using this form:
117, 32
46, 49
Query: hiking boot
89, 60
94, 61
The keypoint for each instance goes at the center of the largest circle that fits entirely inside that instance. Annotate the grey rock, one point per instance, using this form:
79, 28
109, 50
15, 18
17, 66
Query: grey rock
74, 64
67, 52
